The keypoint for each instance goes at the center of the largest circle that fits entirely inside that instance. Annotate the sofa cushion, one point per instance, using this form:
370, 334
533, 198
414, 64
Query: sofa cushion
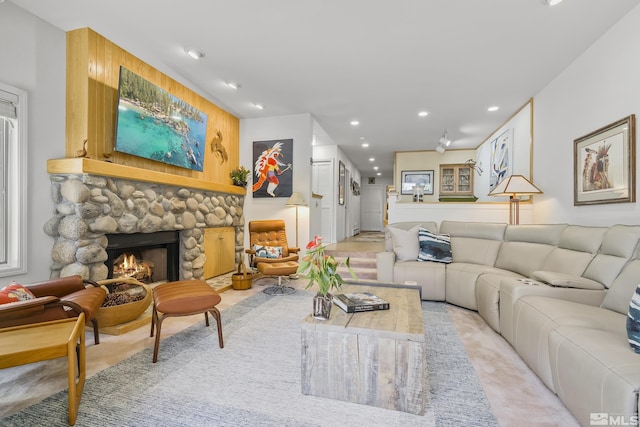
434, 247
618, 247
15, 292
388, 244
594, 371
633, 321
522, 257
621, 290
525, 247
577, 247
566, 280
404, 243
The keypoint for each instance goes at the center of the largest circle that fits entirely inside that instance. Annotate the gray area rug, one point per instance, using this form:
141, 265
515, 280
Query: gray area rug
255, 379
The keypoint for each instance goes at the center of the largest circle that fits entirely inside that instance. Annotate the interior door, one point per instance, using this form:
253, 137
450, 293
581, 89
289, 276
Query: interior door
322, 183
371, 207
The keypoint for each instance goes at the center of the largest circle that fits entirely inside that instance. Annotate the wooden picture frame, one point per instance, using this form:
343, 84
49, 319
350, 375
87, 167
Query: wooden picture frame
409, 179
341, 182
604, 167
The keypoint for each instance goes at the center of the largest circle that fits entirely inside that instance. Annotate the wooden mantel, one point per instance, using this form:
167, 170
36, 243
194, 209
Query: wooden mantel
102, 168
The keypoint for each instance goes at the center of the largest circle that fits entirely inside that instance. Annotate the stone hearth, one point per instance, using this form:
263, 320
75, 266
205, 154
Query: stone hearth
88, 207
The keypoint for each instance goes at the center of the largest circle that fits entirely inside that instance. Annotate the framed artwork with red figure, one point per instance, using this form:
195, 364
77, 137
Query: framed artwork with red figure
273, 168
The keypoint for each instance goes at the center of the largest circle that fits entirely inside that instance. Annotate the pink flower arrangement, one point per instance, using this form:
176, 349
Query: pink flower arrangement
321, 268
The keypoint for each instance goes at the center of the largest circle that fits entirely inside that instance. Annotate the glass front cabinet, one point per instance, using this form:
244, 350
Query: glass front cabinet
456, 180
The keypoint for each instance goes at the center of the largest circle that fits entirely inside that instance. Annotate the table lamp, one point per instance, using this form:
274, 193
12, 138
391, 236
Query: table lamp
514, 186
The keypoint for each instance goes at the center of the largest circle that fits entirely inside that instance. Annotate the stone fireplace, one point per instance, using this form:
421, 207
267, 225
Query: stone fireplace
92, 209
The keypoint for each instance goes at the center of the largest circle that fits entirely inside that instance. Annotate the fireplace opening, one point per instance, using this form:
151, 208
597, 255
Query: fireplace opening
147, 257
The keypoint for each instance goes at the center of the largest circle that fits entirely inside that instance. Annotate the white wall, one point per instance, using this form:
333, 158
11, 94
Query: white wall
34, 59
600, 87
299, 128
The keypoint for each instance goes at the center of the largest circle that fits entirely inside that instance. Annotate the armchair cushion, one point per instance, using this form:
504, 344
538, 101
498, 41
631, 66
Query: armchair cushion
15, 292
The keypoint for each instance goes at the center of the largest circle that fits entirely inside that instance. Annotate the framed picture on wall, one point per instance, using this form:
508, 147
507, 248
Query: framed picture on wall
410, 179
342, 175
501, 158
273, 168
604, 168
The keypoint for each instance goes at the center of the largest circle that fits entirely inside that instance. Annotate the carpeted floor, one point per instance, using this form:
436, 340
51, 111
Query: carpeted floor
255, 379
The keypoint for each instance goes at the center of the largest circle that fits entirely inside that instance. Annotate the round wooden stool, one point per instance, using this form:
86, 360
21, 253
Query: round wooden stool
184, 298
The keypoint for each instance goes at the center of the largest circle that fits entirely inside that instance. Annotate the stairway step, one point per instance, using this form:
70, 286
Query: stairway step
344, 254
360, 274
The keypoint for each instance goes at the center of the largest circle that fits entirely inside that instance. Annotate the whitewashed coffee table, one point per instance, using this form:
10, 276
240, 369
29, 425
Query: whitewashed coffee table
374, 358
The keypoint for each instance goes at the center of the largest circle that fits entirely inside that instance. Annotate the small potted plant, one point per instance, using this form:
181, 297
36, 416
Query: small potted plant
322, 269
239, 176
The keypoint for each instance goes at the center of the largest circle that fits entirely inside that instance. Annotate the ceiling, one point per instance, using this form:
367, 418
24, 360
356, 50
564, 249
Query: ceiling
376, 61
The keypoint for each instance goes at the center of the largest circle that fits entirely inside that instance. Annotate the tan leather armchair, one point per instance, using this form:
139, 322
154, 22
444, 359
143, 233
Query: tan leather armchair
269, 232
56, 299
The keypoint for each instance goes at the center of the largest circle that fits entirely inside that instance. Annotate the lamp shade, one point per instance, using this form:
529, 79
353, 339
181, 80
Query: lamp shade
296, 199
515, 185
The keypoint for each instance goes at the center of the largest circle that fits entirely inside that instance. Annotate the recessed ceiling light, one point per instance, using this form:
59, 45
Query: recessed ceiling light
194, 53
371, 159
259, 106
365, 144
423, 113
375, 168
379, 173
354, 123
233, 85
493, 108
551, 2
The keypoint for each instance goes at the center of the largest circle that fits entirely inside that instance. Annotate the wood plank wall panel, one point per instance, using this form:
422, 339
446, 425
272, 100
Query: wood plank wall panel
93, 70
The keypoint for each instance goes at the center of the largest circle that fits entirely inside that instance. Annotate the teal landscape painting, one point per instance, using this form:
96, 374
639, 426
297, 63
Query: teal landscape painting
154, 124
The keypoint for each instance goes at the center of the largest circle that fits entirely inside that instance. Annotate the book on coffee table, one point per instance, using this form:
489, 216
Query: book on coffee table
359, 302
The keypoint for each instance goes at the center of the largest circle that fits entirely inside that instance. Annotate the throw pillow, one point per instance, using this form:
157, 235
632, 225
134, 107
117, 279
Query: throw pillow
405, 243
14, 293
633, 321
434, 247
274, 252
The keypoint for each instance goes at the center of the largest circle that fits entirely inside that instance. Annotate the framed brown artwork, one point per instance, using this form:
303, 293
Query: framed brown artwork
604, 167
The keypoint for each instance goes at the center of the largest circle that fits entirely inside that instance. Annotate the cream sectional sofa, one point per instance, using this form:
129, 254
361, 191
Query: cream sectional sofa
558, 293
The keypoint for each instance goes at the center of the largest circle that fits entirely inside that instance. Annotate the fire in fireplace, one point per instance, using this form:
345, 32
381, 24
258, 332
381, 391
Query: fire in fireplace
129, 265
147, 257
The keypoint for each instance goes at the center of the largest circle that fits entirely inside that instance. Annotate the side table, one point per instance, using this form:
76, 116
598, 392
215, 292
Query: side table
20, 345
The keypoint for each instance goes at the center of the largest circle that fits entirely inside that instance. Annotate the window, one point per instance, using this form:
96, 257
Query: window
13, 180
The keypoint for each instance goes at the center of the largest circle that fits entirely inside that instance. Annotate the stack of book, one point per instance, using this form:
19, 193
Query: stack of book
360, 301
